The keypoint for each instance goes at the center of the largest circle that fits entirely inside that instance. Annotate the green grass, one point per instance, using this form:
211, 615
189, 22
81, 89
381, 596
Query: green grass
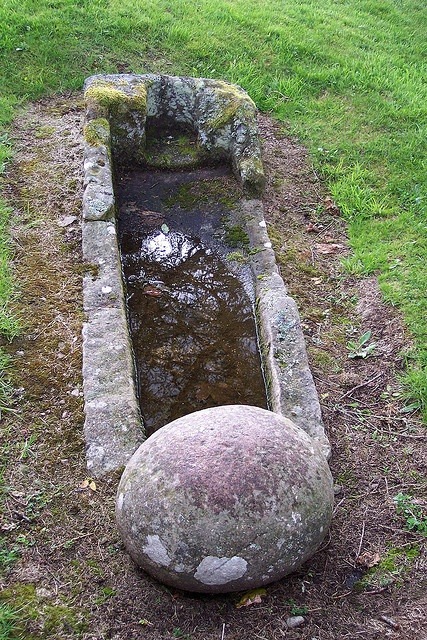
8, 620
348, 76
6, 388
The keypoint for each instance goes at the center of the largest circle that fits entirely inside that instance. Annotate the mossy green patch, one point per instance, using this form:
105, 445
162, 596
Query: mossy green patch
236, 236
230, 99
115, 100
221, 191
44, 131
42, 614
391, 569
177, 152
252, 174
97, 132
323, 359
236, 256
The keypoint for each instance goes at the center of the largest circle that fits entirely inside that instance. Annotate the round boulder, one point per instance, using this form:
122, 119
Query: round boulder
225, 499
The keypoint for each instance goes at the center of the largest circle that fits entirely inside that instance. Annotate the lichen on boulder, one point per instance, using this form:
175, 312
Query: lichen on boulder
225, 499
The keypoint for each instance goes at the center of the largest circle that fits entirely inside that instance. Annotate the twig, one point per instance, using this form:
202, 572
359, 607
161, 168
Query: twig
397, 531
386, 488
373, 593
361, 419
56, 581
391, 623
223, 631
361, 540
71, 540
359, 386
338, 505
325, 229
389, 418
344, 595
407, 435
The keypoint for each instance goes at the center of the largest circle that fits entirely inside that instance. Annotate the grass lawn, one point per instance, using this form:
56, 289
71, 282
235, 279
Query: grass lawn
348, 77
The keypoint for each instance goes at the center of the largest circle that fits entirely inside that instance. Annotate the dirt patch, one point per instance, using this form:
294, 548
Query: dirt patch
71, 577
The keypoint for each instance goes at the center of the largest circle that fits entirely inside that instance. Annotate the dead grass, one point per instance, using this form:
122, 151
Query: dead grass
73, 578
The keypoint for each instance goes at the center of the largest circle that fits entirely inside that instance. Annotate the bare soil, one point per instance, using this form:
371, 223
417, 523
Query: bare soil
72, 578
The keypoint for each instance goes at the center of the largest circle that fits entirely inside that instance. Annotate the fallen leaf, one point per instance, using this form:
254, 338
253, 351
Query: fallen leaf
88, 483
150, 214
203, 392
151, 218
149, 290
330, 206
333, 247
251, 597
368, 559
311, 228
145, 623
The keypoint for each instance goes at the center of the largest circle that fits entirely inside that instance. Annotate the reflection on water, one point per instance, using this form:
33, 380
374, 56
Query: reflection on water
191, 323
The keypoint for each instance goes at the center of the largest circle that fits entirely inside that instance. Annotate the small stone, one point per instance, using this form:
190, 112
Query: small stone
43, 593
294, 621
66, 221
75, 392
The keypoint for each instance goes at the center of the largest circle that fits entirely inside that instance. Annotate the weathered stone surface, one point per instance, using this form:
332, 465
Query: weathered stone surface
113, 425
222, 115
290, 386
98, 196
291, 389
294, 621
225, 499
104, 286
98, 203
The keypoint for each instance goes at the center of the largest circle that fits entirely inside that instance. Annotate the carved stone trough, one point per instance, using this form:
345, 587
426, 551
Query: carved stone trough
119, 111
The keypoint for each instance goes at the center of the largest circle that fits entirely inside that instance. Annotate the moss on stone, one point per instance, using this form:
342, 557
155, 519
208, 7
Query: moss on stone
169, 148
236, 256
251, 172
236, 236
221, 191
97, 132
107, 95
230, 98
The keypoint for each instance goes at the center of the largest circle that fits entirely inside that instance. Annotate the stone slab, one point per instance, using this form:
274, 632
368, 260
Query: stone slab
290, 385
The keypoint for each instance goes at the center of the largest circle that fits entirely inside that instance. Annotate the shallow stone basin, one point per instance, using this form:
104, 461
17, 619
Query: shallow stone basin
220, 119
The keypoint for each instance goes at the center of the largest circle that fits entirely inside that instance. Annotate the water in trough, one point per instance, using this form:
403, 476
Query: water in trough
190, 303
